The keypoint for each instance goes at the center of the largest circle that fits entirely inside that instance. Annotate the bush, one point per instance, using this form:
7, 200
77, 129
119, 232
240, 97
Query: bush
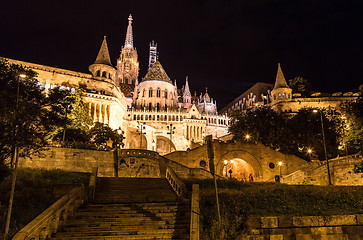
240, 200
32, 194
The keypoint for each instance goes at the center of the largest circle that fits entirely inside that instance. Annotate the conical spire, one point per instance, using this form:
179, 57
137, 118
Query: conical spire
186, 88
103, 56
280, 79
129, 42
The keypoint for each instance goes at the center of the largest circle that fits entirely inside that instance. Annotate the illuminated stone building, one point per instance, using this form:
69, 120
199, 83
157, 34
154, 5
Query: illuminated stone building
281, 97
153, 112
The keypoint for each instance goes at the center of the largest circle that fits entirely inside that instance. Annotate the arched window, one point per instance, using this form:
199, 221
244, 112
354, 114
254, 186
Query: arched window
97, 73
279, 96
150, 92
166, 94
143, 92
150, 107
284, 95
103, 74
158, 107
158, 92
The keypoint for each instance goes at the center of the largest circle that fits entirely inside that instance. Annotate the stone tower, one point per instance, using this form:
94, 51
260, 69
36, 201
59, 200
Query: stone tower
102, 67
127, 64
187, 96
153, 53
281, 91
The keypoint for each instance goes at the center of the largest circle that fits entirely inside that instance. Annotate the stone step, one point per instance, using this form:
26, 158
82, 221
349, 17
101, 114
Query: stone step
126, 215
121, 222
139, 231
122, 228
128, 237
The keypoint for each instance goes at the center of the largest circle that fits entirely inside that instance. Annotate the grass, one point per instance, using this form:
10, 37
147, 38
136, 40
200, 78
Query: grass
32, 194
240, 200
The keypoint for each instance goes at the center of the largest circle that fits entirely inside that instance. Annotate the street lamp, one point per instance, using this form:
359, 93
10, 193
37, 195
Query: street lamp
310, 151
141, 127
280, 164
226, 163
322, 130
171, 132
247, 136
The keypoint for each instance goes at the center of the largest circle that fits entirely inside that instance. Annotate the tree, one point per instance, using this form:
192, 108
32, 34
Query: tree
262, 125
300, 85
100, 133
306, 131
352, 112
288, 133
28, 115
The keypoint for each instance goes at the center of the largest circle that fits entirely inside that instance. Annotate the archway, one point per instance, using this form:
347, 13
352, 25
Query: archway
134, 140
239, 169
244, 166
164, 145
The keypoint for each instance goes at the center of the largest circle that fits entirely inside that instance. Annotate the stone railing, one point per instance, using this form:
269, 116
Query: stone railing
53, 217
194, 213
138, 153
175, 182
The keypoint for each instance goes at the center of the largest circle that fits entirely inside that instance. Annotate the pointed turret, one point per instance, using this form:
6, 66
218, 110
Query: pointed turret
129, 42
186, 91
102, 67
187, 96
281, 90
280, 79
103, 56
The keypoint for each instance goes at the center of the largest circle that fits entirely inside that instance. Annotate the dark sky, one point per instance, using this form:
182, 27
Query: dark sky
224, 45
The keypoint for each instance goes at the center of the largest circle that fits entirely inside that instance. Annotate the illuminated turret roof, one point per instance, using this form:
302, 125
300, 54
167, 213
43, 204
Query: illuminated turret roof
103, 56
157, 72
280, 79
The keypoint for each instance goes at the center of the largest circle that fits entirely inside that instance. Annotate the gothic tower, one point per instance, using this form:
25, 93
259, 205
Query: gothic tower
187, 97
127, 64
153, 53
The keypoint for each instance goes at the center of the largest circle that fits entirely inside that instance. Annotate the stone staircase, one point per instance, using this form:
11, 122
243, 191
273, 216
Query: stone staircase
130, 208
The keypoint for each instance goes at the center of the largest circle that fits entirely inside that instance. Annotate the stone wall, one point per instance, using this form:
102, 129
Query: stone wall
76, 160
341, 170
335, 227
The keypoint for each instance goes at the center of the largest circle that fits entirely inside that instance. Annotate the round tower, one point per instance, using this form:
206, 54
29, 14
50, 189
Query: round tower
102, 67
281, 91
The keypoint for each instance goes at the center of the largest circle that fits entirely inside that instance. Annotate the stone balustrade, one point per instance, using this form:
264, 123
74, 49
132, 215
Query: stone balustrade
175, 182
137, 153
53, 217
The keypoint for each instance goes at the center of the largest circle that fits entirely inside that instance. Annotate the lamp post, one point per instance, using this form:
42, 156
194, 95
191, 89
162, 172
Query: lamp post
226, 164
171, 132
310, 151
16, 156
326, 156
280, 164
141, 127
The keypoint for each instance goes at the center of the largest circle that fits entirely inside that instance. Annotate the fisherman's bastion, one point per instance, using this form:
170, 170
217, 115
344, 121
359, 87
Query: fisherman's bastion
164, 123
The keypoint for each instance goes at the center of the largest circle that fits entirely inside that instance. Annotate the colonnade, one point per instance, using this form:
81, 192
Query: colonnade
100, 112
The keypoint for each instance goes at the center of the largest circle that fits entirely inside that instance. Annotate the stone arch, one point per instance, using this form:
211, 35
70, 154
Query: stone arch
240, 155
134, 140
164, 145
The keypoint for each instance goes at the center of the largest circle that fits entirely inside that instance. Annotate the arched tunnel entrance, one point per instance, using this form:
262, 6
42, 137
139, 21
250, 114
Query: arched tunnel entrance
239, 169
239, 165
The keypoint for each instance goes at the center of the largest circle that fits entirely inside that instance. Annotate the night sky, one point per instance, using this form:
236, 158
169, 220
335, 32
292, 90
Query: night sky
226, 46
